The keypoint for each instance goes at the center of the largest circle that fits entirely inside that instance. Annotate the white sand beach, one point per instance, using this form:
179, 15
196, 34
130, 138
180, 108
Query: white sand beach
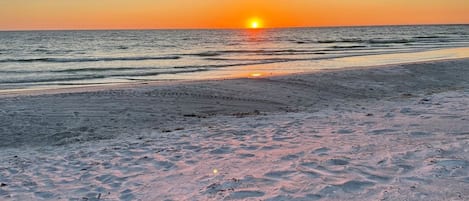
397, 132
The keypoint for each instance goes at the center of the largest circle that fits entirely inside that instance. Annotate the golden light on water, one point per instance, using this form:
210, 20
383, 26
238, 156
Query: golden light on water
215, 171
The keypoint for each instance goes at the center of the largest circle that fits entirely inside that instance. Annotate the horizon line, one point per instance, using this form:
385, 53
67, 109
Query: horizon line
227, 28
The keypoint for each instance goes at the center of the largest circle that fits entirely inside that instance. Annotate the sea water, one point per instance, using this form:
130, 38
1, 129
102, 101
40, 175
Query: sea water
31, 59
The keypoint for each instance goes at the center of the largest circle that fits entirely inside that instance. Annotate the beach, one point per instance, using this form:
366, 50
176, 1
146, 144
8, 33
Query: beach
390, 132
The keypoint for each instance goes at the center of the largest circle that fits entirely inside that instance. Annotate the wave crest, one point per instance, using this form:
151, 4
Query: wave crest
69, 60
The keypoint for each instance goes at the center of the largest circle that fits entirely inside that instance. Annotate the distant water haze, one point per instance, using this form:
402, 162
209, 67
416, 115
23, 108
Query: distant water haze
62, 58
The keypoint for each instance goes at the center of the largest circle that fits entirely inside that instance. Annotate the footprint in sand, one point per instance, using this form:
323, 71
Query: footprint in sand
282, 138
221, 150
311, 173
404, 168
345, 131
107, 178
420, 134
348, 187
290, 157
452, 167
308, 197
389, 115
241, 195
354, 186
165, 165
338, 162
4, 193
127, 195
228, 185
378, 178
192, 148
279, 174
408, 111
271, 147
321, 151
382, 131
246, 155
309, 164
250, 148
44, 195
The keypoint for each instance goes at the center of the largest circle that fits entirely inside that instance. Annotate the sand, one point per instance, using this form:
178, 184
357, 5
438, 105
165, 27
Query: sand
398, 132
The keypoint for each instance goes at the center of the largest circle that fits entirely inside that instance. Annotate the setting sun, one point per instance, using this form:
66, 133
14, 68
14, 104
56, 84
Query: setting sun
216, 14
254, 24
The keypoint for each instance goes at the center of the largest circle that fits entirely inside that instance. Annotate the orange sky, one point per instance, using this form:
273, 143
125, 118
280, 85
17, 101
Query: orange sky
160, 14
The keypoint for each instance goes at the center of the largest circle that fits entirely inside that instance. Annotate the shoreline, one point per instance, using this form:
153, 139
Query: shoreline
460, 53
148, 83
383, 133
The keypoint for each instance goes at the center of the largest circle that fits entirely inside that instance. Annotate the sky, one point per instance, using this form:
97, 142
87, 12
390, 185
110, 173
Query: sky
182, 14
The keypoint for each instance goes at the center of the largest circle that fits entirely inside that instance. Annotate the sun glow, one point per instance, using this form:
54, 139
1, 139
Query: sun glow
256, 74
254, 23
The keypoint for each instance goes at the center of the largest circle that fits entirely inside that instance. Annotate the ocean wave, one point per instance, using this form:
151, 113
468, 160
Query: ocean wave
91, 77
302, 41
79, 74
138, 70
121, 47
41, 50
372, 41
68, 60
348, 46
74, 70
369, 41
263, 51
429, 37
281, 60
77, 71
461, 33
205, 54
50, 52
387, 41
249, 62
53, 79
19, 71
345, 40
255, 52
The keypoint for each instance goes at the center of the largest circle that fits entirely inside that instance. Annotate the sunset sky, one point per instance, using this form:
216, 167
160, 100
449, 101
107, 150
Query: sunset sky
162, 14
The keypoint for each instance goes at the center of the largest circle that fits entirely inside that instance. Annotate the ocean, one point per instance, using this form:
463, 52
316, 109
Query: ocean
30, 59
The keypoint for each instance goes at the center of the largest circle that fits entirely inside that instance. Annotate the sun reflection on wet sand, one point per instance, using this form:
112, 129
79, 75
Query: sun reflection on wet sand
255, 74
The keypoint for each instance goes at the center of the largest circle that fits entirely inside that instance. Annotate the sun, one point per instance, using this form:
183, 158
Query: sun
254, 23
